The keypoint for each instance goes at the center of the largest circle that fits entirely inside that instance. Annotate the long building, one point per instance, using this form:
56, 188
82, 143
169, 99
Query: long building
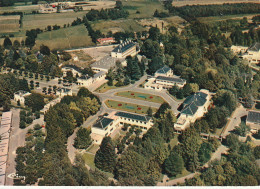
124, 49
5, 129
107, 125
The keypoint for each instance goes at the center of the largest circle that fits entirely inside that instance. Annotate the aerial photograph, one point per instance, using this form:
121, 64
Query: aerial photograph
130, 93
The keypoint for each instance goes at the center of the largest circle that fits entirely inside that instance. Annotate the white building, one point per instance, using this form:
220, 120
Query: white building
50, 104
239, 49
253, 120
253, 53
74, 71
194, 107
20, 96
84, 80
108, 124
61, 92
124, 49
164, 79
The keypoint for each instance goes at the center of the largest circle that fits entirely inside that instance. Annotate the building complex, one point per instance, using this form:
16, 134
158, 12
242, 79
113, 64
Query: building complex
107, 125
253, 120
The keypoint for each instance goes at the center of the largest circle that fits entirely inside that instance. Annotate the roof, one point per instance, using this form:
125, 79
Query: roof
163, 70
22, 93
253, 116
65, 90
99, 74
124, 46
174, 79
105, 63
105, 39
192, 102
103, 123
133, 116
255, 47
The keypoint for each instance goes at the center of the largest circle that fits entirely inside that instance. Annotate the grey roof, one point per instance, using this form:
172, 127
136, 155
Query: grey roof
133, 116
163, 70
105, 63
255, 47
192, 103
174, 79
124, 46
103, 122
253, 116
98, 74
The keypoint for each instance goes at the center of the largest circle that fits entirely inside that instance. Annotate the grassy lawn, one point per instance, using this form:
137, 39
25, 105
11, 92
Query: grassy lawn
142, 6
222, 18
174, 141
141, 96
123, 25
128, 107
76, 36
105, 87
89, 160
41, 21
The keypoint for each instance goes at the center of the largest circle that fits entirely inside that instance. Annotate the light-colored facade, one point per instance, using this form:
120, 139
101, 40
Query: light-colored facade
164, 79
253, 120
107, 125
20, 96
252, 54
107, 40
86, 81
194, 107
238, 49
5, 129
124, 49
50, 104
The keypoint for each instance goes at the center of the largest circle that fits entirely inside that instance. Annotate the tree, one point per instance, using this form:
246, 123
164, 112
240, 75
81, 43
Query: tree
162, 109
149, 112
35, 101
154, 33
204, 152
105, 158
155, 64
7, 43
83, 92
119, 5
173, 165
83, 139
45, 50
242, 129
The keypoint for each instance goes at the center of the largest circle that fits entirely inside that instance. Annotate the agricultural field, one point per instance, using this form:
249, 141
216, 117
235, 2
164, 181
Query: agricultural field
141, 96
72, 37
212, 19
41, 21
9, 23
141, 5
26, 9
128, 107
208, 2
121, 25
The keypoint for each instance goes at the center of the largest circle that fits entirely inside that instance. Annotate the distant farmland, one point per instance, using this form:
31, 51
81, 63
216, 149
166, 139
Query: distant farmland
72, 37
180, 3
9, 23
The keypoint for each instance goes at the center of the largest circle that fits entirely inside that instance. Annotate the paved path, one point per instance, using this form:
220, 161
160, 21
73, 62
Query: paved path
234, 120
17, 139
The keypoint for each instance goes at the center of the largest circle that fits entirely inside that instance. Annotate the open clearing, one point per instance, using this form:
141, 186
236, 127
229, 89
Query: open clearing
128, 107
141, 96
121, 25
229, 17
72, 37
9, 23
142, 6
209, 2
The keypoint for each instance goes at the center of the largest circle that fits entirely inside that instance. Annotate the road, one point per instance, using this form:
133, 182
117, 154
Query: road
17, 139
234, 120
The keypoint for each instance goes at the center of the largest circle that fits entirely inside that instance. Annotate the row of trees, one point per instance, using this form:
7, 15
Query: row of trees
105, 14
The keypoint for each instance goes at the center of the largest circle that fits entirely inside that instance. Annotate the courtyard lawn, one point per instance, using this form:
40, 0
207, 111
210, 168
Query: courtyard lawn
141, 96
128, 107
93, 149
105, 87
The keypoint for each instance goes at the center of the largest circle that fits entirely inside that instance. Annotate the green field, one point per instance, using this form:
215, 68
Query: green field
129, 107
41, 21
223, 18
128, 25
142, 6
72, 37
141, 96
105, 87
